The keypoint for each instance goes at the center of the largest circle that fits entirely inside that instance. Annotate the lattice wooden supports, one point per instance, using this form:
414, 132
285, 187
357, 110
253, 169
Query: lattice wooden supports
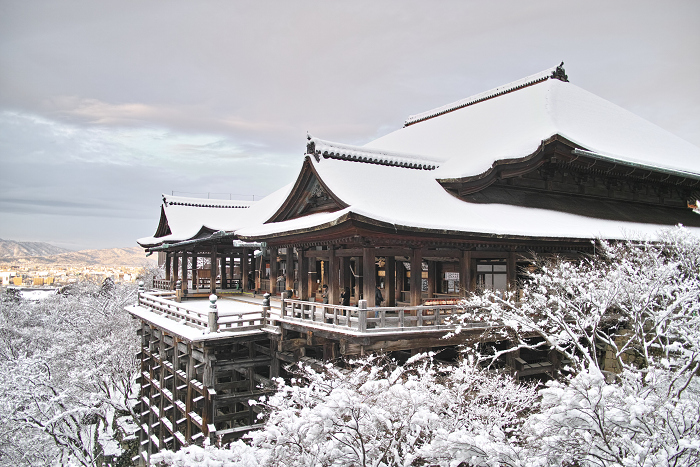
193, 391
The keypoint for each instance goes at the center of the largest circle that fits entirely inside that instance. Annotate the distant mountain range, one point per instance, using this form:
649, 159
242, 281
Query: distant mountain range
12, 252
10, 248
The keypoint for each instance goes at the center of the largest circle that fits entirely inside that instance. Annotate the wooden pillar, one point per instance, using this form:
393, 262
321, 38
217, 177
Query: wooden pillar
344, 272
359, 270
311, 280
183, 269
416, 276
511, 268
259, 262
465, 268
224, 275
213, 271
400, 279
303, 274
168, 264
244, 269
432, 273
390, 281
289, 276
332, 277
369, 276
274, 271
175, 270
195, 279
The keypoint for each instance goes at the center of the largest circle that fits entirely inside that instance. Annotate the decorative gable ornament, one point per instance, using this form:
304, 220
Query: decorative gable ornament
560, 74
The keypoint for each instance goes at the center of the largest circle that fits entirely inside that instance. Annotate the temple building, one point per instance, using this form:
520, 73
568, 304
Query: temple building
459, 199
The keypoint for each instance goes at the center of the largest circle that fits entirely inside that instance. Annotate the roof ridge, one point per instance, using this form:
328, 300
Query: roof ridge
550, 73
330, 150
172, 200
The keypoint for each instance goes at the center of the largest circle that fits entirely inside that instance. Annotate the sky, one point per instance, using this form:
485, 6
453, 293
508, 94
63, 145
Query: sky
106, 105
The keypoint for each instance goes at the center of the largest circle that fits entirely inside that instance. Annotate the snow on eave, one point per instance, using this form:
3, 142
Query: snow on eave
329, 150
619, 160
549, 73
169, 200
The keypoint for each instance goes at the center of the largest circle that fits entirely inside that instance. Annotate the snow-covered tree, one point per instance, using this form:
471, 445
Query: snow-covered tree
628, 321
68, 366
382, 414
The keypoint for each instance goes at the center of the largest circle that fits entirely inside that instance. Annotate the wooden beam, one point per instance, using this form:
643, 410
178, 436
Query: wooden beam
289, 272
432, 272
168, 264
212, 270
465, 273
416, 277
369, 276
303, 275
390, 281
344, 272
244, 268
274, 271
316, 253
400, 279
512, 272
195, 279
183, 269
359, 270
333, 283
224, 266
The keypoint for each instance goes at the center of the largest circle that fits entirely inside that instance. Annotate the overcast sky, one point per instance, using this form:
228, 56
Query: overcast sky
106, 105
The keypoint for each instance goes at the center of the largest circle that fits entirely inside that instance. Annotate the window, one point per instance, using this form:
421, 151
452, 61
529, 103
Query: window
491, 275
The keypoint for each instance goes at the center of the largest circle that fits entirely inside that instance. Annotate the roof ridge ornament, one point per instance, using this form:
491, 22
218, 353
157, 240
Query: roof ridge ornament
560, 74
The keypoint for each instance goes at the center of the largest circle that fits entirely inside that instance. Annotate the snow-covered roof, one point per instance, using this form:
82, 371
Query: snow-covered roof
413, 199
512, 124
187, 217
465, 139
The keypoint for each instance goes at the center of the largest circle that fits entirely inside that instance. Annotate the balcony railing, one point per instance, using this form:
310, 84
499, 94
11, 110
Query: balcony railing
163, 303
351, 320
371, 320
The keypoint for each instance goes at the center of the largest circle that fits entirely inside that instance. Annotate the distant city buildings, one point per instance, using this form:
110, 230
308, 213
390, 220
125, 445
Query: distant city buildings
28, 275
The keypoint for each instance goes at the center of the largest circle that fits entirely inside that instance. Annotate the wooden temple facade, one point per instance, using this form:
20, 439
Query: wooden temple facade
421, 223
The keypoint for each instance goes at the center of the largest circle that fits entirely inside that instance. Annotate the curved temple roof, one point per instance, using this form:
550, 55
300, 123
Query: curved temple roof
187, 217
462, 140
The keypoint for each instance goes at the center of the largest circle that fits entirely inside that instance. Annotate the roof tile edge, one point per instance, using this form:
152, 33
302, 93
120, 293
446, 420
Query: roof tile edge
329, 150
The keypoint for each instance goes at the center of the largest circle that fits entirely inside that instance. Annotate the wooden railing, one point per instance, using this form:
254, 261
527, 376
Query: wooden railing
341, 319
163, 284
163, 303
371, 320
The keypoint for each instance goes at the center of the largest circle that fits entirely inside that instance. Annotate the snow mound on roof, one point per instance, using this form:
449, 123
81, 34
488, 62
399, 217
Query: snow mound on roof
513, 125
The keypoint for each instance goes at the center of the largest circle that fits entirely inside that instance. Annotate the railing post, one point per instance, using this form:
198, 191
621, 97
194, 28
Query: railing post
362, 315
178, 291
419, 317
401, 318
138, 294
437, 316
283, 306
266, 304
213, 314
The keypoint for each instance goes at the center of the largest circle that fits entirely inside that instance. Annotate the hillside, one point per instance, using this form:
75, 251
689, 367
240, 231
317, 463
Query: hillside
133, 256
13, 249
